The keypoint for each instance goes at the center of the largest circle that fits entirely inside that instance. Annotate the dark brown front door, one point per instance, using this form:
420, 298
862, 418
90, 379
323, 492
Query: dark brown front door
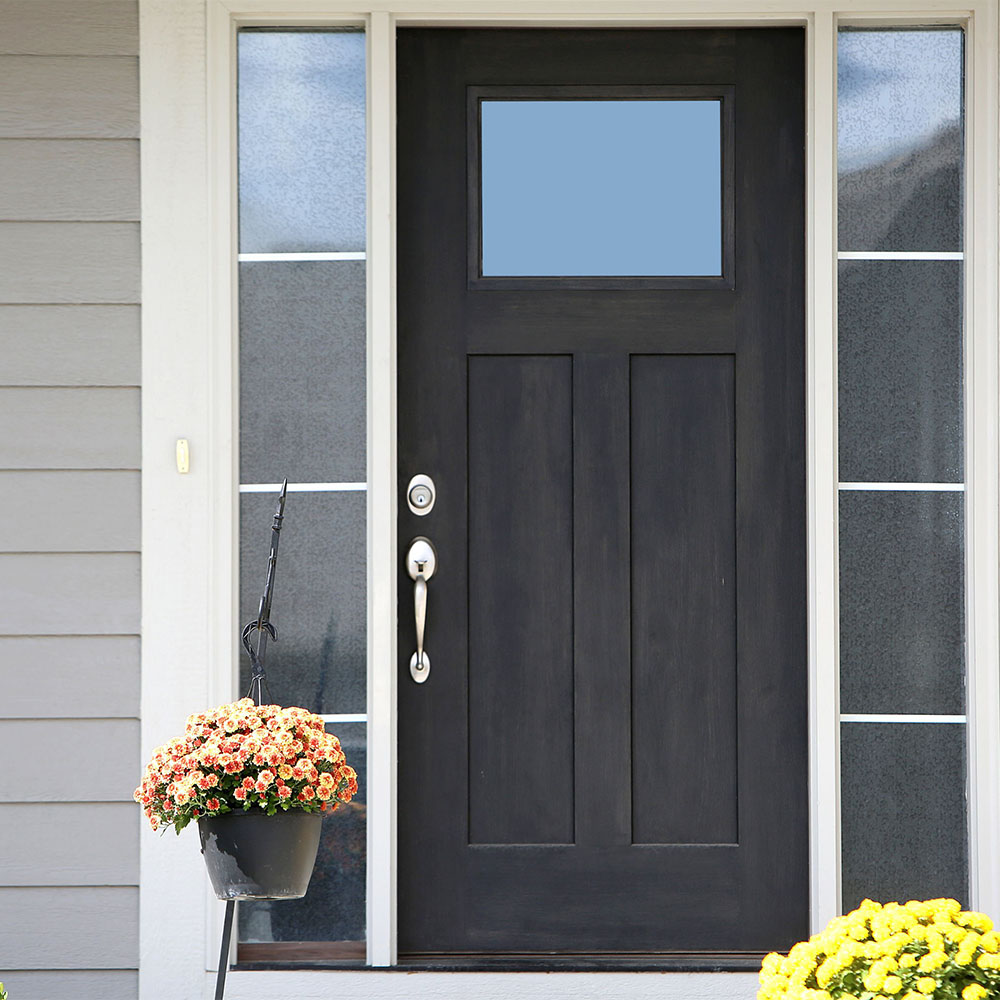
609, 755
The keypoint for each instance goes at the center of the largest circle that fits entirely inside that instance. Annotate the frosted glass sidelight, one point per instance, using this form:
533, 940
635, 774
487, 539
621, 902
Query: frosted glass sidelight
900, 139
900, 371
902, 602
900, 143
334, 907
319, 611
601, 188
302, 372
301, 140
903, 800
302, 414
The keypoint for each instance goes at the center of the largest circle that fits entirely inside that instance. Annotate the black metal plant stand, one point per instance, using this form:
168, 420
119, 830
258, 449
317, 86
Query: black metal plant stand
261, 625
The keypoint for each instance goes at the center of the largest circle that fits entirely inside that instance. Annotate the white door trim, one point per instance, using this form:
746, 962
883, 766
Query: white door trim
982, 462
189, 390
821, 468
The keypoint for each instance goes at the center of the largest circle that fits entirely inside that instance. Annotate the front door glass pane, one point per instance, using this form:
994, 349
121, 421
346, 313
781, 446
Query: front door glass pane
601, 188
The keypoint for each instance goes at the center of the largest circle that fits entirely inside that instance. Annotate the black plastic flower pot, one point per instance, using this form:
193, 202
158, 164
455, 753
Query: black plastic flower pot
251, 855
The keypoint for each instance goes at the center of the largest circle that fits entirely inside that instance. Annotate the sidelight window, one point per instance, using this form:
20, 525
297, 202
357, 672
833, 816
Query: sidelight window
902, 468
302, 304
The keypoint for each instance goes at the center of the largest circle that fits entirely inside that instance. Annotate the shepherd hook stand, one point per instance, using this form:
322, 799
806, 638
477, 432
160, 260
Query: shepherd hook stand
258, 684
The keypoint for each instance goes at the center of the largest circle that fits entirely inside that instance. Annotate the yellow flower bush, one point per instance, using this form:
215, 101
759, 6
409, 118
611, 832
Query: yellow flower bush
932, 950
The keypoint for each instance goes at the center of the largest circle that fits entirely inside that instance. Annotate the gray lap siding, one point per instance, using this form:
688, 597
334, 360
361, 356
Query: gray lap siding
69, 486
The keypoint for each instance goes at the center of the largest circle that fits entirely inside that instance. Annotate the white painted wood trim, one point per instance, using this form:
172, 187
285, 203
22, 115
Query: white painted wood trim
821, 484
909, 719
178, 520
222, 391
903, 487
304, 257
982, 497
375, 985
900, 255
382, 496
304, 487
590, 12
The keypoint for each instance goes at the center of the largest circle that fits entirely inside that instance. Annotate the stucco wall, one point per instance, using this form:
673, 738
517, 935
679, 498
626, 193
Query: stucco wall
69, 497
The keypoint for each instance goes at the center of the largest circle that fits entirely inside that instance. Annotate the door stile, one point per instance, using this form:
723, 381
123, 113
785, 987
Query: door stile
770, 462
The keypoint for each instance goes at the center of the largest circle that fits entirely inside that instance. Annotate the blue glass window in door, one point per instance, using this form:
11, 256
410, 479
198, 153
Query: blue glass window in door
601, 187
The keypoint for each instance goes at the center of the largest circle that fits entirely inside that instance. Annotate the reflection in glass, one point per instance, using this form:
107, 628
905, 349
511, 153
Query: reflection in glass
902, 602
320, 658
573, 188
334, 907
900, 371
900, 139
302, 372
301, 140
903, 797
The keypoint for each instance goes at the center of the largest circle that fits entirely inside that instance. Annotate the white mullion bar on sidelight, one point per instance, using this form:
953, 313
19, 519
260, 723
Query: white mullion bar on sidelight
246, 258
357, 717
900, 255
304, 487
916, 487
941, 719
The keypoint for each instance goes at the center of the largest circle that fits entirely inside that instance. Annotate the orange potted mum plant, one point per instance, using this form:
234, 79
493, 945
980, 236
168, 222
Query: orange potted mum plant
257, 779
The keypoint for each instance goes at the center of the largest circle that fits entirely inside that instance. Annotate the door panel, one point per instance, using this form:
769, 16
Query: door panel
609, 756
684, 721
520, 609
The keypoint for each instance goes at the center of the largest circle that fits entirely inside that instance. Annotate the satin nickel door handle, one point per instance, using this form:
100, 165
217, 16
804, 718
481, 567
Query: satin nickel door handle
421, 562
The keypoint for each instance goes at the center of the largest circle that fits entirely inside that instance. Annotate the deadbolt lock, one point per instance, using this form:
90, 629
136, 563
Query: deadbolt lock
420, 495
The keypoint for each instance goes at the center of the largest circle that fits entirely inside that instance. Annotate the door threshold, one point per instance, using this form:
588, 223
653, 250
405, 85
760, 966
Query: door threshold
700, 962
679, 962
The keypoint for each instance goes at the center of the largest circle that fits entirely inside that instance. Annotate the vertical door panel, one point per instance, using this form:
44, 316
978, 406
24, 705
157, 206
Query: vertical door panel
520, 606
684, 760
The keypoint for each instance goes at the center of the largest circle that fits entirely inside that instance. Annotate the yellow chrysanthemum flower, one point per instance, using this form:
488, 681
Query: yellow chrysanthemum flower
932, 960
914, 951
874, 979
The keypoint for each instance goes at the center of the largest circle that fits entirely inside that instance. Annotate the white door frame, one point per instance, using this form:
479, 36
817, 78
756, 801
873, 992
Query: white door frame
189, 389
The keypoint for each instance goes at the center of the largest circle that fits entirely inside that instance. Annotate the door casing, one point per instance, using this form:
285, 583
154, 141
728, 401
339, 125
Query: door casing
187, 110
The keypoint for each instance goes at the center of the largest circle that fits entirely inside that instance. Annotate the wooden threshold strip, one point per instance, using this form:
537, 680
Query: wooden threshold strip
301, 951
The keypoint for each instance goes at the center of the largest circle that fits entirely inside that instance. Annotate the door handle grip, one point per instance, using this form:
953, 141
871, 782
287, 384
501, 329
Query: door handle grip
421, 562
420, 614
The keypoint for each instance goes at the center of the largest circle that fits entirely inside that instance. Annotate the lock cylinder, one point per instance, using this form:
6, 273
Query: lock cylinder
420, 495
